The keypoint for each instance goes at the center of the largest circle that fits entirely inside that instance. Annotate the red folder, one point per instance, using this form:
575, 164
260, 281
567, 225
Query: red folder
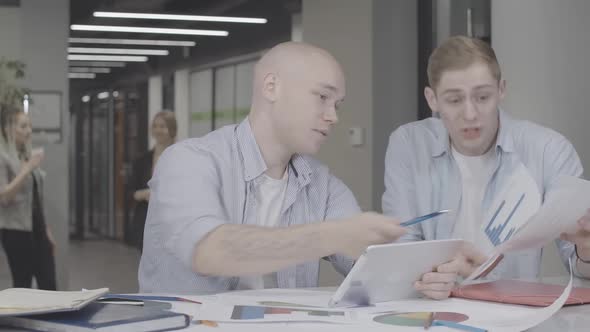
521, 292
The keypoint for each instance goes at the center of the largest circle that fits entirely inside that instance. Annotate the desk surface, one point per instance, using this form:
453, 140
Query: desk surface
572, 318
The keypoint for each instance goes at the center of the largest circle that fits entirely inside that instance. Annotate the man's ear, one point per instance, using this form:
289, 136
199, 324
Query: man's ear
430, 96
270, 87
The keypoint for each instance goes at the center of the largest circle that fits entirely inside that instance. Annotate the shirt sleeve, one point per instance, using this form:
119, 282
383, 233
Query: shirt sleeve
185, 203
399, 183
341, 204
560, 158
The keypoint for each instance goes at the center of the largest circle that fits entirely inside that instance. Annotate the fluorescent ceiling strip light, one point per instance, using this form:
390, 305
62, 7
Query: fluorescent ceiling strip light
98, 70
123, 51
255, 20
149, 42
113, 28
127, 58
97, 64
82, 75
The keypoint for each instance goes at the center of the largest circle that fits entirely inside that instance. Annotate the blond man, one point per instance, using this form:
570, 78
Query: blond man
464, 158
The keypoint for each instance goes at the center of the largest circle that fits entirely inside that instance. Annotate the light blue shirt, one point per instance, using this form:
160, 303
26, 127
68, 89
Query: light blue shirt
202, 183
421, 176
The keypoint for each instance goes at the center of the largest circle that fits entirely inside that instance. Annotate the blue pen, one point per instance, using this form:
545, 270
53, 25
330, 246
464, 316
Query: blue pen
423, 218
457, 326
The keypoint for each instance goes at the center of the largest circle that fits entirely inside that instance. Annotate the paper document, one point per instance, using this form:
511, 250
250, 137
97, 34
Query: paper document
25, 301
273, 308
566, 201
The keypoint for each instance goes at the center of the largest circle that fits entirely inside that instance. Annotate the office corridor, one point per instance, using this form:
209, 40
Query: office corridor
94, 264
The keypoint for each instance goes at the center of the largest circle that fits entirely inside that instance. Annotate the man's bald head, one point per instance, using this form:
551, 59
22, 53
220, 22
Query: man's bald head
297, 90
292, 62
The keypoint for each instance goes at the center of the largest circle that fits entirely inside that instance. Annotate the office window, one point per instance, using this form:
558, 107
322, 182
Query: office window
244, 76
224, 96
201, 102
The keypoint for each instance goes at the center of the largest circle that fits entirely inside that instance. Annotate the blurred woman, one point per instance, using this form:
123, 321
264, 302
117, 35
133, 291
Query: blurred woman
26, 238
163, 131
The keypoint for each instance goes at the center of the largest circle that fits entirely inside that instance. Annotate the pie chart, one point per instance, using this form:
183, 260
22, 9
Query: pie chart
418, 318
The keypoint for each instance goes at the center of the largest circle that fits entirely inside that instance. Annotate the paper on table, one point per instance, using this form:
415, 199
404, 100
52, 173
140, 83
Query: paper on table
491, 316
487, 315
566, 201
226, 313
25, 301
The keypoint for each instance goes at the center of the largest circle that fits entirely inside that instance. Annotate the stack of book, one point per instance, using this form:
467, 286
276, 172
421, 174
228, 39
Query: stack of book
40, 310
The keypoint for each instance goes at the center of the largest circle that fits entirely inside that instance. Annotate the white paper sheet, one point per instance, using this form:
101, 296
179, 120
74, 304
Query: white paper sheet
566, 201
21, 301
487, 315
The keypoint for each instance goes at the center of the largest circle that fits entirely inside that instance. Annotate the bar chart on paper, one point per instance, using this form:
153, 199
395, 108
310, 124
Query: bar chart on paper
502, 225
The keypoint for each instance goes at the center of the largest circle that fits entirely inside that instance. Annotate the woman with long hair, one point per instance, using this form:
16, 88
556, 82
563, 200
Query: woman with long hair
163, 130
26, 238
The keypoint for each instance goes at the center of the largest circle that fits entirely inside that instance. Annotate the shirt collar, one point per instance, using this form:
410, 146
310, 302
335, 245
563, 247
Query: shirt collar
253, 162
504, 139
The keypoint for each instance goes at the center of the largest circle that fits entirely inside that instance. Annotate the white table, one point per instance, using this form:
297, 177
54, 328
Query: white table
572, 318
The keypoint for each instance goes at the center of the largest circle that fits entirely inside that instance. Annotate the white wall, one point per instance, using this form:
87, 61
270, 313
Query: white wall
376, 43
543, 47
37, 33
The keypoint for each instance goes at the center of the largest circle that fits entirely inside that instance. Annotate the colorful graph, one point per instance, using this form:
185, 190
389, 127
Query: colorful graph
244, 312
284, 304
497, 229
419, 319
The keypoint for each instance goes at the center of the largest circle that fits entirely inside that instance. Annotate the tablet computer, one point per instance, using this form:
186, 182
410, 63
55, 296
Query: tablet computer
387, 272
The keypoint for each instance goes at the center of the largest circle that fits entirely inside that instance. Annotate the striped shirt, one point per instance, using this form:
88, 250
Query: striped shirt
202, 183
422, 176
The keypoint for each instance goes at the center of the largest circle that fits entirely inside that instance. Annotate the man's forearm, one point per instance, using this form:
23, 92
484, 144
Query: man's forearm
235, 250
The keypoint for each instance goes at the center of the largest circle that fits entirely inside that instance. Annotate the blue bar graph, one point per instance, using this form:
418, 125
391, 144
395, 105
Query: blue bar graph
493, 233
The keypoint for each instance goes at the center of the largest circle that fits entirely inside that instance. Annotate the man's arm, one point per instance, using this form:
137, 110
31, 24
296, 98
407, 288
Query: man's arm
186, 215
399, 184
234, 250
560, 158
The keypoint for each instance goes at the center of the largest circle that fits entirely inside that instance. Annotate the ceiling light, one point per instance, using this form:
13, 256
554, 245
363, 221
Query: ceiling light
97, 70
86, 99
149, 16
132, 42
128, 58
112, 28
94, 50
81, 75
97, 64
103, 95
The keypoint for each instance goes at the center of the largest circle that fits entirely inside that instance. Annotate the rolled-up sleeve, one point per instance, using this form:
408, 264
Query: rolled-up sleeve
185, 202
341, 204
399, 185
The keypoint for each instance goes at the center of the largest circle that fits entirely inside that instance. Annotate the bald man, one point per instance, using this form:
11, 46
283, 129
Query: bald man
245, 206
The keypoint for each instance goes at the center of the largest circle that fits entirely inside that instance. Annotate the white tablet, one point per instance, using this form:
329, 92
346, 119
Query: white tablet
387, 272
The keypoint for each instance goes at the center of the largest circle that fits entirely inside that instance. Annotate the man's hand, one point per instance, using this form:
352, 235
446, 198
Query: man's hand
142, 195
365, 229
581, 237
439, 283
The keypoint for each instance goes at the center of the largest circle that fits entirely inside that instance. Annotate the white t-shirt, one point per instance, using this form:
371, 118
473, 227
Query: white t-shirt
269, 196
475, 172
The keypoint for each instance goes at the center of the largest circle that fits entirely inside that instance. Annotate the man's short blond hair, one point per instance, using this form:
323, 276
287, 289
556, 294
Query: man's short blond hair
460, 52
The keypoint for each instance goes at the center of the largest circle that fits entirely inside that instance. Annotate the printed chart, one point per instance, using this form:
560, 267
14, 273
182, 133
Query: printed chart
419, 319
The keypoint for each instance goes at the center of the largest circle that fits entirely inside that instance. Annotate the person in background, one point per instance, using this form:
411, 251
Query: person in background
26, 238
163, 131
